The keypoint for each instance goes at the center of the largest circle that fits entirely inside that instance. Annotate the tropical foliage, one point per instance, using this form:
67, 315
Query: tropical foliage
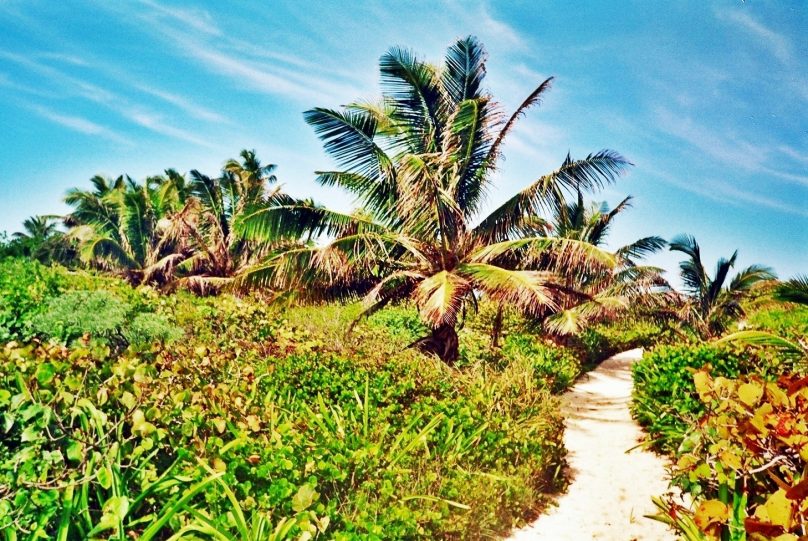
420, 161
713, 303
610, 292
135, 409
293, 433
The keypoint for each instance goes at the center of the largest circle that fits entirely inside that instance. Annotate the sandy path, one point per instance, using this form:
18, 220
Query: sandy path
610, 489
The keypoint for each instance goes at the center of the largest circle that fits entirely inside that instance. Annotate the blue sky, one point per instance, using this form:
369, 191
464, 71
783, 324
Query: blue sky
709, 100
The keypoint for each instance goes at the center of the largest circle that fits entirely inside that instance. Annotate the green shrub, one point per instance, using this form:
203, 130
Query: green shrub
147, 328
99, 314
788, 321
603, 340
24, 287
552, 366
665, 400
397, 448
401, 321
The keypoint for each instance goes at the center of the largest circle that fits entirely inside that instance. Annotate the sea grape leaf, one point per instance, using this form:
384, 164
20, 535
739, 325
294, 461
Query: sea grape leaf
304, 498
777, 510
750, 393
711, 512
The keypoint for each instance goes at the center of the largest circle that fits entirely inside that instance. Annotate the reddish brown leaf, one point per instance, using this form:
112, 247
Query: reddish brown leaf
755, 526
798, 491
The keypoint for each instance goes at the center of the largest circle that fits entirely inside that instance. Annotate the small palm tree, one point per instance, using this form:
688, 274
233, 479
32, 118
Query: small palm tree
609, 292
218, 203
712, 305
125, 226
41, 239
420, 162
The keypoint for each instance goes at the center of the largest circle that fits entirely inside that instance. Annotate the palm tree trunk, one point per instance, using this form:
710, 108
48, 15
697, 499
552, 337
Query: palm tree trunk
443, 342
496, 331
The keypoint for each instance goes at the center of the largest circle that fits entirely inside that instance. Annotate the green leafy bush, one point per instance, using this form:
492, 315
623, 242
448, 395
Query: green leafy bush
24, 287
147, 328
790, 322
552, 366
601, 341
99, 314
343, 448
665, 400
400, 321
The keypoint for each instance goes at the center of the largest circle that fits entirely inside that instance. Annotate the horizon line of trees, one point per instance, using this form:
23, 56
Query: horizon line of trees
419, 162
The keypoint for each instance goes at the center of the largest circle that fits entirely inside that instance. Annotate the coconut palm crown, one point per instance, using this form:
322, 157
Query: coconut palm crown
713, 303
420, 162
611, 291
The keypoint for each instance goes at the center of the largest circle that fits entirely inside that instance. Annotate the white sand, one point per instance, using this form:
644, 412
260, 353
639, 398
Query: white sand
610, 489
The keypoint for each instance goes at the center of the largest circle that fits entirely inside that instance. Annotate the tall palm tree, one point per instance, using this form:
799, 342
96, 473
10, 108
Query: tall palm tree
712, 304
420, 162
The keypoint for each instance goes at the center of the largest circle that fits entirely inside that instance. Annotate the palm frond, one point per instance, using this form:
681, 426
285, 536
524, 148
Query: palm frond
794, 290
692, 269
348, 137
297, 219
564, 252
752, 275
465, 147
440, 298
533, 98
413, 88
642, 247
762, 338
464, 69
529, 291
547, 193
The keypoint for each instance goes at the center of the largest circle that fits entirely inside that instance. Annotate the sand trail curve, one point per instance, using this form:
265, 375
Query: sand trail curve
610, 489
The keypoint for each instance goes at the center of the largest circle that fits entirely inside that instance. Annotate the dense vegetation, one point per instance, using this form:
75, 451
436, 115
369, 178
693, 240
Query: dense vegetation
111, 427
731, 413
211, 357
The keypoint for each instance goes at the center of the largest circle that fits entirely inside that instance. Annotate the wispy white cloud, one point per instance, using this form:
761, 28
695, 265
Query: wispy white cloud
130, 111
243, 72
737, 152
78, 124
10, 83
158, 124
195, 19
64, 58
793, 153
725, 193
257, 75
729, 149
500, 29
777, 44
185, 104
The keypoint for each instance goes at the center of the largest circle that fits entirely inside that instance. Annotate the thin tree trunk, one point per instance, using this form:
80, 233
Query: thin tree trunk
496, 331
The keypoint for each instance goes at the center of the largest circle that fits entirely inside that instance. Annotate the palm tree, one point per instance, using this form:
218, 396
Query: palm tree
712, 305
41, 239
609, 292
420, 162
126, 227
219, 252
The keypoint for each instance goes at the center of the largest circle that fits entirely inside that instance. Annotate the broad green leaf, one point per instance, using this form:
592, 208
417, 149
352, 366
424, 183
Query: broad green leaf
304, 498
75, 451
